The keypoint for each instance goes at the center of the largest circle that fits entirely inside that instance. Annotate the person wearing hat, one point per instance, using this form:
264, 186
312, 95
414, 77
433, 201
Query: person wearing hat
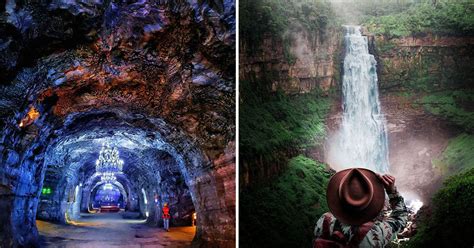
355, 198
166, 217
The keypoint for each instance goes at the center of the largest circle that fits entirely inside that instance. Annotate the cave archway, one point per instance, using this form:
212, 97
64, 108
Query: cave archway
167, 172
108, 194
149, 167
102, 190
156, 79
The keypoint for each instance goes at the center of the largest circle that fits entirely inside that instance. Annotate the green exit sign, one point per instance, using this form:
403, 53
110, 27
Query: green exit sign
46, 191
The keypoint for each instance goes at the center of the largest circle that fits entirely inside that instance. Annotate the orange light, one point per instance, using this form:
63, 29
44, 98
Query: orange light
32, 116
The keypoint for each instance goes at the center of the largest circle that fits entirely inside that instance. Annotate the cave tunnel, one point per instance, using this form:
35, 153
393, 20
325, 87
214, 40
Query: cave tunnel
152, 80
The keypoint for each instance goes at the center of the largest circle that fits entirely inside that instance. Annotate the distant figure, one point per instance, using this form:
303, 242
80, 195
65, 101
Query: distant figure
166, 217
355, 198
194, 219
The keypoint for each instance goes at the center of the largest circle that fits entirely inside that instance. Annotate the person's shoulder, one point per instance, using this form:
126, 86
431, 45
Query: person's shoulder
380, 227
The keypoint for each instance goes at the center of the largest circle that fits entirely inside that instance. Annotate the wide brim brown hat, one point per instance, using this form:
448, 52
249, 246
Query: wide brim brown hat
355, 196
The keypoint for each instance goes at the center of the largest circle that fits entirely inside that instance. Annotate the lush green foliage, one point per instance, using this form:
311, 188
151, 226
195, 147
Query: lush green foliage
274, 17
441, 18
276, 121
258, 18
458, 156
450, 224
284, 213
452, 106
369, 8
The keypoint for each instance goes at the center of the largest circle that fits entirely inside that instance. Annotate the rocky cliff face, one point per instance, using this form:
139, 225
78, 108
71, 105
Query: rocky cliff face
300, 64
410, 68
309, 61
152, 76
423, 64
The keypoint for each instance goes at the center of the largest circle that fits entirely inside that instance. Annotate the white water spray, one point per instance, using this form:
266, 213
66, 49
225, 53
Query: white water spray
362, 138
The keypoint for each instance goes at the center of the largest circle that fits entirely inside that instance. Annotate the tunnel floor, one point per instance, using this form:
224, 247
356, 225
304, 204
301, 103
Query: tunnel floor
111, 230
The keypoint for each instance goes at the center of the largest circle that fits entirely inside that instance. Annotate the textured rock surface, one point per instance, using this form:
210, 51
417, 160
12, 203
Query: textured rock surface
315, 65
419, 65
111, 230
154, 78
443, 62
306, 61
409, 68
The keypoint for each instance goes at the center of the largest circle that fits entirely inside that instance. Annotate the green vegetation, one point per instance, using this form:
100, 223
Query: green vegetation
423, 74
276, 121
450, 18
450, 224
458, 156
451, 105
370, 8
419, 70
275, 126
275, 17
284, 213
384, 47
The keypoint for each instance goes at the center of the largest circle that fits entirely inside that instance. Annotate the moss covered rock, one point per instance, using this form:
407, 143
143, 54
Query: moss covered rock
284, 212
458, 155
450, 224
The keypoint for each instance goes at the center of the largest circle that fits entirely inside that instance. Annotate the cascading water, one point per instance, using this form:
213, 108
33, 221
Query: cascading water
362, 138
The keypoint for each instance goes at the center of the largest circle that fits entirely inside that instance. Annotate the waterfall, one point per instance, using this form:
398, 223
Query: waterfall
362, 138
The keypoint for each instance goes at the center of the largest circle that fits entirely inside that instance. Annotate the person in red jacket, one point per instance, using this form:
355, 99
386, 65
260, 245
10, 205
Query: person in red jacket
166, 217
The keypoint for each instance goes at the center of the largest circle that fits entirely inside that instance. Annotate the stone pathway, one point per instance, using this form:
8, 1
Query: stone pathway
111, 230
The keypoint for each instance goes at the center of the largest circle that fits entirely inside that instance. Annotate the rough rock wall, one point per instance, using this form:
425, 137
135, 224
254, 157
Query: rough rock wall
423, 63
417, 66
309, 62
408, 69
166, 68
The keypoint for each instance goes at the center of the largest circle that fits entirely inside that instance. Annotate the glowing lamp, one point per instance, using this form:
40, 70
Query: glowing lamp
30, 117
46, 191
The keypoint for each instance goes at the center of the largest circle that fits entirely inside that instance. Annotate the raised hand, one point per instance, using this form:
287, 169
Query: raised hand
388, 182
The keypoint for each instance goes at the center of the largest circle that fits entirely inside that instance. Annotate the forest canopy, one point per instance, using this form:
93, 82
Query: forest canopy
440, 18
274, 17
394, 18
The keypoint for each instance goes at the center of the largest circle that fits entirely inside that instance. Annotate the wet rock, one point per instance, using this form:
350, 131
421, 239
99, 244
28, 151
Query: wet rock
12, 158
153, 77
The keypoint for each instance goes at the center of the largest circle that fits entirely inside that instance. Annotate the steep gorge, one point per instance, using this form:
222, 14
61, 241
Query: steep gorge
428, 140
409, 69
313, 71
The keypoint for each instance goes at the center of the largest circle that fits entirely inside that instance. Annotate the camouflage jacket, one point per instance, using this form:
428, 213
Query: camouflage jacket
382, 232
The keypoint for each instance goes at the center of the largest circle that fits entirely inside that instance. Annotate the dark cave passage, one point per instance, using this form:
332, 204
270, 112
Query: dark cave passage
157, 169
153, 79
153, 174
160, 166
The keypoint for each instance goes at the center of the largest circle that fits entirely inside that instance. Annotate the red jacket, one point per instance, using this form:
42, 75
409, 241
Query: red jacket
166, 212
